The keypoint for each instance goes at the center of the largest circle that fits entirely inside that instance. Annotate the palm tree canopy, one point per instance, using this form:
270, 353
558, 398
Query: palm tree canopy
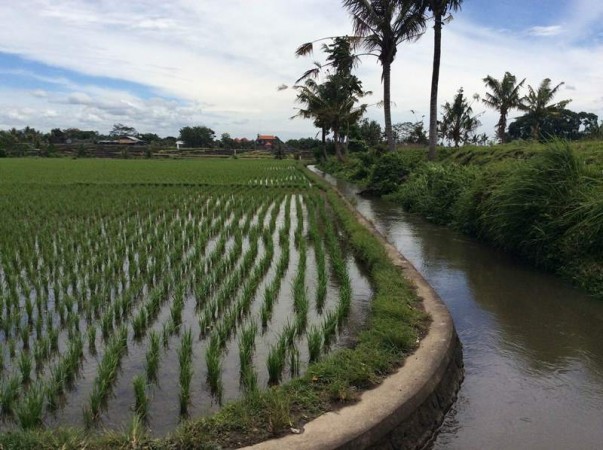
538, 101
440, 8
504, 94
383, 24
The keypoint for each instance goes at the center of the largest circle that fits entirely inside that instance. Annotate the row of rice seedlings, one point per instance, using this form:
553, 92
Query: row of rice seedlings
319, 254
277, 356
213, 360
141, 405
247, 374
185, 356
107, 373
152, 357
300, 299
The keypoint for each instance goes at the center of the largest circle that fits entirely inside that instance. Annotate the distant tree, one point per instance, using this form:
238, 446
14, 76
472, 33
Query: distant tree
123, 130
564, 124
539, 107
370, 132
411, 133
75, 134
56, 136
503, 97
333, 104
149, 137
458, 122
200, 136
227, 141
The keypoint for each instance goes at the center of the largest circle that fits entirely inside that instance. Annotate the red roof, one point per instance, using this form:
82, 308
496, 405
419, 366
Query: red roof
266, 137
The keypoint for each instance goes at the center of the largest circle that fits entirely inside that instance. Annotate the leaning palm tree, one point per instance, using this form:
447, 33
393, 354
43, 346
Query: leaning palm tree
537, 104
380, 26
503, 96
441, 10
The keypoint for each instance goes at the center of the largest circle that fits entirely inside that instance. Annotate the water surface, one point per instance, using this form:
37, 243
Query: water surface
532, 343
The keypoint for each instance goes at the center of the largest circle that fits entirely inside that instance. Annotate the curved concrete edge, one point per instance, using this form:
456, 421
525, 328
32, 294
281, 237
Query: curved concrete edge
405, 410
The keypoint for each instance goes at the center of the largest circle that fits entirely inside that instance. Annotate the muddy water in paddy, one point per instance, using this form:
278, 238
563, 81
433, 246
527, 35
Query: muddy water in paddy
532, 344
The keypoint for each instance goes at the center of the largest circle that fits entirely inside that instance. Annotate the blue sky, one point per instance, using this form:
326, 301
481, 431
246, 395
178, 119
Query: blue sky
161, 66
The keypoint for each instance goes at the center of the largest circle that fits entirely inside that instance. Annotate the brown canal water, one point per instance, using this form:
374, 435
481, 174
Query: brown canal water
532, 343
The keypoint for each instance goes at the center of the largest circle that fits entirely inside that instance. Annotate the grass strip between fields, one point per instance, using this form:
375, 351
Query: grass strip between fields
394, 325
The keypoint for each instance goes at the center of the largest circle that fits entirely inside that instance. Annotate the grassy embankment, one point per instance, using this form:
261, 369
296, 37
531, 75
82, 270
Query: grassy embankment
395, 322
543, 202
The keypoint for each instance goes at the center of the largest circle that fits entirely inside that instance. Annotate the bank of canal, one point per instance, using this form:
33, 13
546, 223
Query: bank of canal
532, 344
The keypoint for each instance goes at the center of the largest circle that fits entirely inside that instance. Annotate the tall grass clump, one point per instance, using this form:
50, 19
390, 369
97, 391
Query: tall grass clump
527, 211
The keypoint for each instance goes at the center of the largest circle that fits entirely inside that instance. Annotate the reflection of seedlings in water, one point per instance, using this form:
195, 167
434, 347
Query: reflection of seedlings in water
294, 361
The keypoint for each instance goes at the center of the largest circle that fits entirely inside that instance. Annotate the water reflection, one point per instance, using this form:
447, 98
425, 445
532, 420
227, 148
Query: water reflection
533, 345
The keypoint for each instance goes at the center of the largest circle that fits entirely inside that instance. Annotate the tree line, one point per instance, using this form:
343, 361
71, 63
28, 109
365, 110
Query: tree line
380, 26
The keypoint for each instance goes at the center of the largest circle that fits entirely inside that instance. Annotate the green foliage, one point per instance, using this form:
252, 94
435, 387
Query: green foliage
199, 136
433, 189
391, 169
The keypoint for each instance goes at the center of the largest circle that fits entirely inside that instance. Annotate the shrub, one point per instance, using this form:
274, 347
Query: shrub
391, 169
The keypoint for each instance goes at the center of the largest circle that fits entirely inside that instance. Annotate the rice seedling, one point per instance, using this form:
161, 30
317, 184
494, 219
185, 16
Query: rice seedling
25, 366
141, 406
276, 362
30, 410
314, 343
213, 361
152, 357
92, 339
185, 353
9, 392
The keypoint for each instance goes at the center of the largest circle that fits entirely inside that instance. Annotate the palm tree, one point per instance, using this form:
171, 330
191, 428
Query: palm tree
537, 104
441, 13
458, 122
380, 26
333, 104
503, 97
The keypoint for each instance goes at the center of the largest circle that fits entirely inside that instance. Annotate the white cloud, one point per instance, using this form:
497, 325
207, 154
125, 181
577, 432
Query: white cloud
552, 30
220, 63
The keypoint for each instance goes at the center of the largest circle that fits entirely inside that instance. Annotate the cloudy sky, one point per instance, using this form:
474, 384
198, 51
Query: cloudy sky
159, 66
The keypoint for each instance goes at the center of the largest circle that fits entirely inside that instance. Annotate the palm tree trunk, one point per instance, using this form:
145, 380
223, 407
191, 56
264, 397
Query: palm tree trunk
387, 68
324, 143
502, 126
340, 157
435, 79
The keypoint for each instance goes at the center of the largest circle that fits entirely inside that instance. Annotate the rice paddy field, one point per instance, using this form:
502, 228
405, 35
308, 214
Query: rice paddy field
161, 290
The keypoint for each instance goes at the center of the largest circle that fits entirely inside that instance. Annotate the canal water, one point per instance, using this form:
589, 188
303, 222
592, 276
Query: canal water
532, 343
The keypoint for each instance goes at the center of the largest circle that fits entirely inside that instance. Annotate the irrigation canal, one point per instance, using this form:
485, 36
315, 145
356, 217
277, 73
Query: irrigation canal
532, 344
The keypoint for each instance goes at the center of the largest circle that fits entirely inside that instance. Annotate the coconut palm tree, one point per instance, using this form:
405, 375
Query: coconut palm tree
380, 26
503, 96
458, 122
333, 104
441, 10
537, 104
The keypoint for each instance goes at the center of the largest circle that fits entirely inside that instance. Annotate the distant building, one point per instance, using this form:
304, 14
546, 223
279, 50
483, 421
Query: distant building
266, 140
124, 140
